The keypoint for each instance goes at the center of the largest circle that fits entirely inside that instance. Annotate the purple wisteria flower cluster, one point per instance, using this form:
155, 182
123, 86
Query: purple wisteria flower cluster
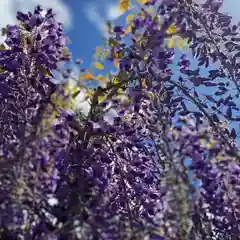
163, 167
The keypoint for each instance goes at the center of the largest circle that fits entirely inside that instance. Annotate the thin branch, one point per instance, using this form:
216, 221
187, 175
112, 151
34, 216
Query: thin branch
124, 185
214, 126
222, 61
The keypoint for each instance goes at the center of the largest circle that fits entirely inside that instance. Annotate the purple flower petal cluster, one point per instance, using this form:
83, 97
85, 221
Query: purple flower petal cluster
32, 51
121, 172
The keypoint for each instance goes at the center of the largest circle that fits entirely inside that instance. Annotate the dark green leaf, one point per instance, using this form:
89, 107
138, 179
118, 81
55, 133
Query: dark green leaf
233, 133
229, 113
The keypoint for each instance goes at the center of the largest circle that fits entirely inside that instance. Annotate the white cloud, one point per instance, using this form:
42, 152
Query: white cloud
81, 103
93, 15
113, 12
98, 18
9, 8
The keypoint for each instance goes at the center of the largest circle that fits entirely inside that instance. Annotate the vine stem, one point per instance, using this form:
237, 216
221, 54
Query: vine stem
201, 108
222, 61
124, 185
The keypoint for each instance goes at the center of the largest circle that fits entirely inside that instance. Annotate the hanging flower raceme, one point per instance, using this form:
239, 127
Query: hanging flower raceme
32, 51
212, 196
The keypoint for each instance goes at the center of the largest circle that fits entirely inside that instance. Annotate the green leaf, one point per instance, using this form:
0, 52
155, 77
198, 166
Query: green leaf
129, 18
2, 69
112, 42
4, 31
76, 94
99, 65
2, 47
123, 5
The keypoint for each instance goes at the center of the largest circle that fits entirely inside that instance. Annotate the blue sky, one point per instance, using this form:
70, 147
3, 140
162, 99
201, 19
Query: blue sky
83, 20
77, 17
88, 17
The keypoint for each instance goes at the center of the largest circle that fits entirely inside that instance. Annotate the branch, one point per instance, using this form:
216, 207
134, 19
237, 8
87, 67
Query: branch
212, 123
